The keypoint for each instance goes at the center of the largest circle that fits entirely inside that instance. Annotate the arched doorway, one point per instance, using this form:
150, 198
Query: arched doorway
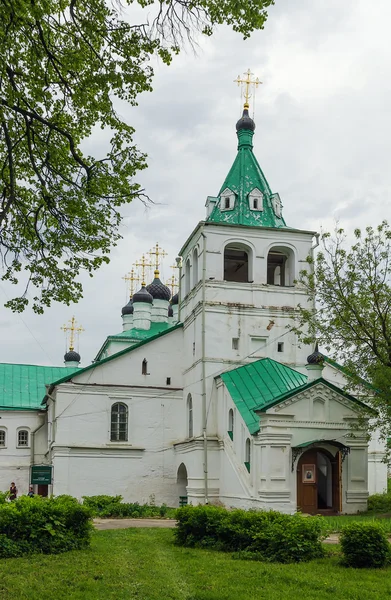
319, 482
181, 481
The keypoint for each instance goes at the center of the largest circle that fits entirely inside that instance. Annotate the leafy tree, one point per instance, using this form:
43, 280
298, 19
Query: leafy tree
351, 288
63, 63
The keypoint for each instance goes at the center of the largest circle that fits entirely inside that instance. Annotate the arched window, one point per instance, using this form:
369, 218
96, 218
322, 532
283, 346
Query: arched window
3, 438
231, 424
236, 263
119, 422
247, 455
187, 277
195, 267
280, 266
190, 429
144, 367
23, 438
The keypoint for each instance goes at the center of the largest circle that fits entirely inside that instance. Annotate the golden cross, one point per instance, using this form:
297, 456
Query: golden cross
144, 265
73, 329
247, 82
172, 283
156, 253
132, 278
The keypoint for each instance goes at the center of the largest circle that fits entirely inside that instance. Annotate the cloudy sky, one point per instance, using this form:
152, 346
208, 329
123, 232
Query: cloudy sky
323, 125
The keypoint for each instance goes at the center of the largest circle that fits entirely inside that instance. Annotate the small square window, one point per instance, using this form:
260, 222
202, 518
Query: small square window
168, 381
2, 437
23, 438
280, 347
235, 343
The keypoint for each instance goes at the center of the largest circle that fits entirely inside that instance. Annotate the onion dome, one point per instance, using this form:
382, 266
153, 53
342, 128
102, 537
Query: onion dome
158, 290
72, 356
174, 300
170, 311
128, 308
142, 296
245, 122
316, 357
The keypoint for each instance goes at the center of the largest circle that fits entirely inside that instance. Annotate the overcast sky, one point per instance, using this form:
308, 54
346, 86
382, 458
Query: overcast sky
323, 140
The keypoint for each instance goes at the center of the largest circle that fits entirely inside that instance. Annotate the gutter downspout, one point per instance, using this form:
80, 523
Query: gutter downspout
33, 439
203, 369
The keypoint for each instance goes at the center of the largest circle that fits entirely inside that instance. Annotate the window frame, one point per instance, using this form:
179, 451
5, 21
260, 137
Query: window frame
115, 436
23, 430
190, 416
3, 430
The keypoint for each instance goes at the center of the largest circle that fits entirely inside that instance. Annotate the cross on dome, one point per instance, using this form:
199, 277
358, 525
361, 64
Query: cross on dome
72, 327
143, 264
132, 278
247, 82
156, 253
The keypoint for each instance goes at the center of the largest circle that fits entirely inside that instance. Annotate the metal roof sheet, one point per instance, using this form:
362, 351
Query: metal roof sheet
258, 385
22, 387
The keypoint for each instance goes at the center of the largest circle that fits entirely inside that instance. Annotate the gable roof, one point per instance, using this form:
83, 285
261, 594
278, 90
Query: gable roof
113, 356
258, 384
134, 335
263, 384
23, 386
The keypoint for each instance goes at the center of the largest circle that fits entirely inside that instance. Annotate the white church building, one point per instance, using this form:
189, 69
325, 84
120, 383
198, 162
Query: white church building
206, 396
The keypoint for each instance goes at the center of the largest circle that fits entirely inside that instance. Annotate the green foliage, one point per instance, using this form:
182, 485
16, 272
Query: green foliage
3, 497
268, 536
63, 65
351, 288
112, 506
380, 503
49, 526
364, 545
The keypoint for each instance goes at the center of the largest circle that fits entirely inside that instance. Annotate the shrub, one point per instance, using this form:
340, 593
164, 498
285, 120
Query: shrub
101, 504
43, 525
380, 503
263, 535
364, 545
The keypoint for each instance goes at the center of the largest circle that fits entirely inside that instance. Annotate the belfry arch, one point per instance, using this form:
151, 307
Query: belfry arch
237, 263
281, 266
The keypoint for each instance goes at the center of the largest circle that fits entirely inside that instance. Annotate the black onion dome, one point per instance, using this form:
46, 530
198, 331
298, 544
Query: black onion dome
170, 311
245, 122
72, 356
128, 308
158, 290
316, 357
142, 296
174, 300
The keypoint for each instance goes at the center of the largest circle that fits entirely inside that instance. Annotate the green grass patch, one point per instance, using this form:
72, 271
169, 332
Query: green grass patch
145, 564
335, 524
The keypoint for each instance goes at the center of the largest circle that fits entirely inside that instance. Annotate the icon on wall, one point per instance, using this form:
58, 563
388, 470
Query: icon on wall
309, 474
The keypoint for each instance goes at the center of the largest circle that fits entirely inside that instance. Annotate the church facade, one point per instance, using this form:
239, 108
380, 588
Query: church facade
207, 397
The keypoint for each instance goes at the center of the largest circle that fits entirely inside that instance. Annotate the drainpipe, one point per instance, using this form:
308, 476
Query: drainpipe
33, 439
179, 265
203, 375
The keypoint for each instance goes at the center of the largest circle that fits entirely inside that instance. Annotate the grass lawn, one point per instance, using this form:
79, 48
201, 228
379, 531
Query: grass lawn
336, 523
144, 564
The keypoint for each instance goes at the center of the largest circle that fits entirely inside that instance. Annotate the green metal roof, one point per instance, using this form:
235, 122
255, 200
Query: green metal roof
22, 387
258, 385
135, 335
246, 175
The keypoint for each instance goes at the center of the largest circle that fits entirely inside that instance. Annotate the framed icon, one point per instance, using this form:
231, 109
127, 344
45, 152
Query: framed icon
309, 473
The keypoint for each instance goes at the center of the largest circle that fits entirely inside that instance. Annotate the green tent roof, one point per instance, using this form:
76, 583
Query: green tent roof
22, 387
136, 335
258, 385
244, 176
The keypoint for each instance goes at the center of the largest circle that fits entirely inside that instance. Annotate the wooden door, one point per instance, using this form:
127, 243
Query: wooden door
43, 490
307, 491
337, 483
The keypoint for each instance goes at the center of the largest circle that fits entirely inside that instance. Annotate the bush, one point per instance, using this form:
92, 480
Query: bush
364, 545
113, 507
48, 526
380, 503
263, 535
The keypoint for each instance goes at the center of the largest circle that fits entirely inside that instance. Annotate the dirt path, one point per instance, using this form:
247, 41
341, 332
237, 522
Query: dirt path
126, 523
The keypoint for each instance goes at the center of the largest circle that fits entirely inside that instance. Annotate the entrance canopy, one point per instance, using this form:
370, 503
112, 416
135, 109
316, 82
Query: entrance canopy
300, 448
